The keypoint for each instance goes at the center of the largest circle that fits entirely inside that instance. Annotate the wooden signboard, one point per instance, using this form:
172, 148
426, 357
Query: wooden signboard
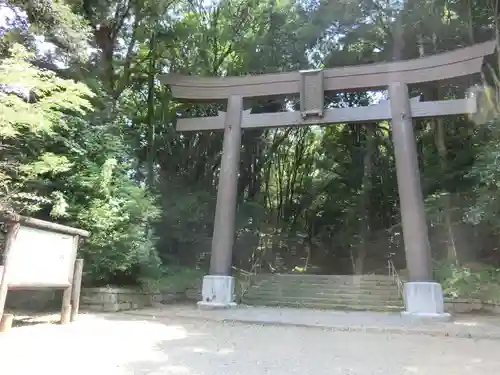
40, 254
39, 258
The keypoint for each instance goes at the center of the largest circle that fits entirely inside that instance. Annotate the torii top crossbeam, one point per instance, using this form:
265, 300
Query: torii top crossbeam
457, 63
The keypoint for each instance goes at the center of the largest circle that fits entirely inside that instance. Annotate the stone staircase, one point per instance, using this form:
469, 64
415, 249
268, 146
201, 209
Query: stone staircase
337, 292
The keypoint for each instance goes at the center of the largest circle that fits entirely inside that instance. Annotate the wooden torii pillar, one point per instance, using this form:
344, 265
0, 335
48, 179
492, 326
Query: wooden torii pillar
423, 296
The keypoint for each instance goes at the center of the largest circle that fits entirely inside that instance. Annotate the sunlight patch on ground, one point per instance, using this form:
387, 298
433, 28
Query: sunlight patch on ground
208, 351
172, 370
110, 345
466, 323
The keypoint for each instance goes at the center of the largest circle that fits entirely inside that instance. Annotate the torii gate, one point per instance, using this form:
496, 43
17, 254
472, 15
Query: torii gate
423, 296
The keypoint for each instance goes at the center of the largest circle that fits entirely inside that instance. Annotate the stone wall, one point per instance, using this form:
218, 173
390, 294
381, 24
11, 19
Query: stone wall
119, 299
34, 300
464, 305
92, 299
116, 299
492, 307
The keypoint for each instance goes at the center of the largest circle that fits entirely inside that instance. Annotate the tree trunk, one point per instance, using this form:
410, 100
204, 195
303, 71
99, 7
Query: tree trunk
150, 114
434, 93
366, 186
440, 140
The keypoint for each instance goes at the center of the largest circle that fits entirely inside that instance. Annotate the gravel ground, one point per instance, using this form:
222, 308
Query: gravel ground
120, 344
475, 326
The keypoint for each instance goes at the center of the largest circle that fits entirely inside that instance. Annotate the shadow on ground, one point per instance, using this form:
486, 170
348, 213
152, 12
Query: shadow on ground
178, 350
168, 344
30, 318
197, 347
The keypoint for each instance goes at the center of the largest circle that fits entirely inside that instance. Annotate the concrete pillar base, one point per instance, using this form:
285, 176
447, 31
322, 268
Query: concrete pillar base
424, 300
217, 292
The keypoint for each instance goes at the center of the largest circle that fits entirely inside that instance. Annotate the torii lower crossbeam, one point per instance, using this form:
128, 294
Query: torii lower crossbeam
377, 112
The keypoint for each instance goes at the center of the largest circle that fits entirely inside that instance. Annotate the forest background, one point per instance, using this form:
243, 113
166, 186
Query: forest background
88, 137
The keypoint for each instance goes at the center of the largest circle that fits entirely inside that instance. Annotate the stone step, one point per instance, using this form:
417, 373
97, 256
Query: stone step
324, 282
323, 286
337, 292
367, 292
333, 288
270, 294
323, 277
391, 289
332, 305
300, 296
193, 294
322, 301
325, 292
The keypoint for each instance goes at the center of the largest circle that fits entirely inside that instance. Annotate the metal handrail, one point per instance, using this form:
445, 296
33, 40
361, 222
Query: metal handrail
249, 279
395, 276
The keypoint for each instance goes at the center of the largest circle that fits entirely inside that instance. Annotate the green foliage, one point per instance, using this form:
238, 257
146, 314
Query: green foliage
463, 282
59, 163
100, 150
173, 279
34, 103
59, 24
486, 171
41, 100
117, 215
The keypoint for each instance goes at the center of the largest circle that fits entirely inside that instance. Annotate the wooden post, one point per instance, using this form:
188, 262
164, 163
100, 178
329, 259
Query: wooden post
12, 229
6, 322
225, 210
415, 234
5, 319
66, 306
3, 290
77, 286
66, 299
